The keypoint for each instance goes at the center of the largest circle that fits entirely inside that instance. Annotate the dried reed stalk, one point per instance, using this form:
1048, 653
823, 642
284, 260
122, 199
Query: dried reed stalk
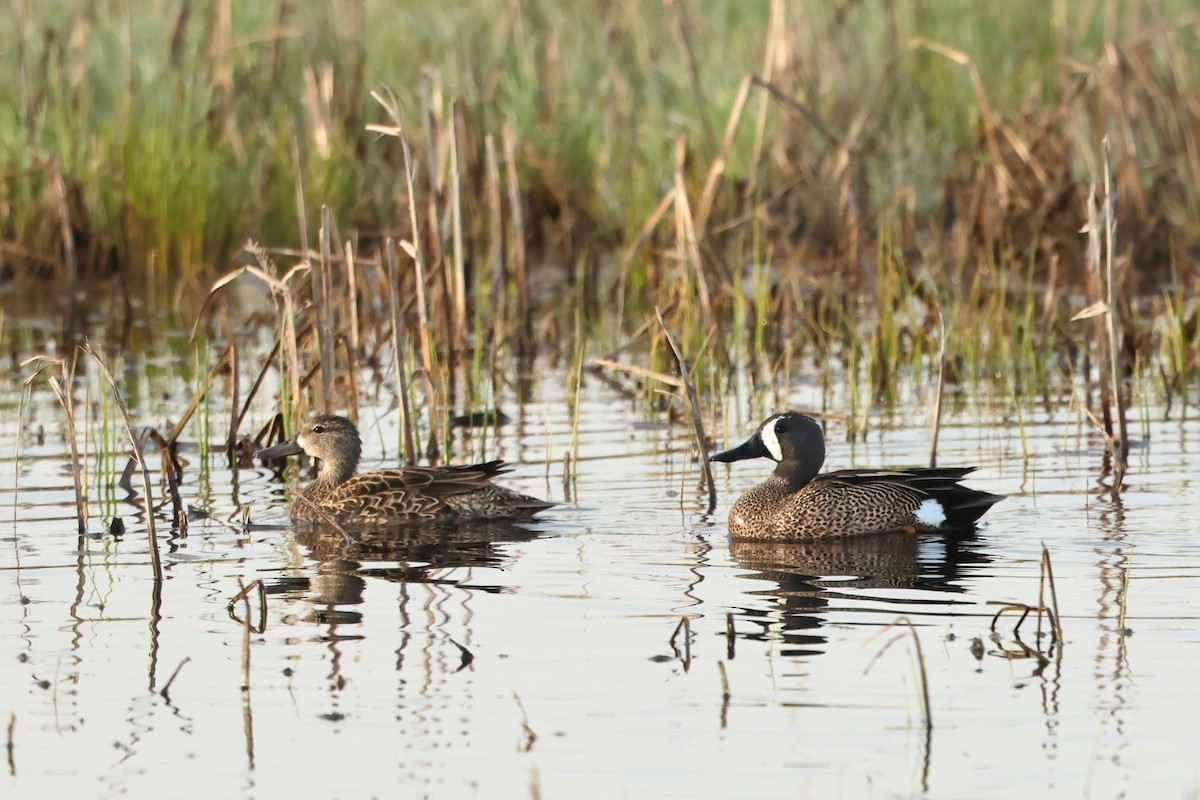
941, 387
530, 736
435, 255
322, 284
1104, 310
155, 559
9, 744
717, 168
1046, 577
926, 711
495, 252
172, 471
1112, 319
685, 232
398, 348
286, 313
460, 281
234, 388
165, 693
61, 386
518, 237
247, 716
684, 627
353, 342
775, 28
632, 250
301, 212
226, 359
694, 405
683, 23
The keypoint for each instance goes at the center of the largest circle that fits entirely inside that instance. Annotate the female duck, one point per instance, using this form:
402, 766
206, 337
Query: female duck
389, 496
797, 503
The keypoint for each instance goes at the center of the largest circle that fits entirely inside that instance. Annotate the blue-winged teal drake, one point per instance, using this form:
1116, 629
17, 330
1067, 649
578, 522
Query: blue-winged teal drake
391, 496
796, 503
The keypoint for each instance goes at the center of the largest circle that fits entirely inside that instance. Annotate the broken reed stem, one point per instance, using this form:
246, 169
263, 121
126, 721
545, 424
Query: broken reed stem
1024, 609
328, 520
247, 717
634, 369
530, 736
171, 469
322, 285
1045, 577
467, 657
922, 673
725, 694
730, 638
227, 358
63, 393
254, 387
694, 404
155, 560
398, 353
941, 387
285, 313
9, 744
166, 690
684, 626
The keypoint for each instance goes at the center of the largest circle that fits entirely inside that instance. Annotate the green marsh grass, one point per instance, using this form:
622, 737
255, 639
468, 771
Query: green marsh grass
545, 170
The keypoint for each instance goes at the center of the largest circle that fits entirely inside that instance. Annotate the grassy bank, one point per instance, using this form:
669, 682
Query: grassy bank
809, 179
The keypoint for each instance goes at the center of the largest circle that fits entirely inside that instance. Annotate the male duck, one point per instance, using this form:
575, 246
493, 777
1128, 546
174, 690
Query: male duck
796, 503
390, 496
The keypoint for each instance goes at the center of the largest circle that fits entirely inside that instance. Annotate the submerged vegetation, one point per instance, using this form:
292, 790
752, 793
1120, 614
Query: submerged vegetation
790, 182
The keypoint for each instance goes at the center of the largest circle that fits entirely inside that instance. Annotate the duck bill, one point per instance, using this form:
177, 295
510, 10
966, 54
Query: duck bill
281, 450
751, 448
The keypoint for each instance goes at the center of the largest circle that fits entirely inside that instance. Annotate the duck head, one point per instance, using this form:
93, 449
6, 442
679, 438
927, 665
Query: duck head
793, 441
331, 439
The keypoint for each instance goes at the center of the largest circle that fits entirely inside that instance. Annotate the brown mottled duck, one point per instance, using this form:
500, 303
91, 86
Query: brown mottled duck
392, 496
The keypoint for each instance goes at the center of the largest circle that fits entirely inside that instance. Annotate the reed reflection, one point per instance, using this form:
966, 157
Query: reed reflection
809, 575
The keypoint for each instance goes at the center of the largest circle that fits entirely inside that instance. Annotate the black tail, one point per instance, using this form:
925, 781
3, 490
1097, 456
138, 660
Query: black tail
965, 506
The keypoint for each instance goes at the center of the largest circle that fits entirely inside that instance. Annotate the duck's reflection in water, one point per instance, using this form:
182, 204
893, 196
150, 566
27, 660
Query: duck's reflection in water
441, 554
810, 576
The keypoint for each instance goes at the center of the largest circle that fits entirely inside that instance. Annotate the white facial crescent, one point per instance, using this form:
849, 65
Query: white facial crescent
771, 440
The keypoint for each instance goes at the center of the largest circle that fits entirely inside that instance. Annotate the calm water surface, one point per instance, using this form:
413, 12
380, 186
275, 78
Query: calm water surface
537, 661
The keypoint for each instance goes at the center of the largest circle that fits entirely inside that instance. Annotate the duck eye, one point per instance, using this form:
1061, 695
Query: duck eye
318, 428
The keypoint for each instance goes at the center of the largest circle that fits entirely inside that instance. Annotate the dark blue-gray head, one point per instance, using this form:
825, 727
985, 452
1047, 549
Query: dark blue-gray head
793, 441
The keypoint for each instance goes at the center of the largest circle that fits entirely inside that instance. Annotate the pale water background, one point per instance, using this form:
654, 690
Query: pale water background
358, 686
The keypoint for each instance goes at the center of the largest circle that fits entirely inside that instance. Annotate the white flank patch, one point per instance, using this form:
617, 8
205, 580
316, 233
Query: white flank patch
771, 441
930, 513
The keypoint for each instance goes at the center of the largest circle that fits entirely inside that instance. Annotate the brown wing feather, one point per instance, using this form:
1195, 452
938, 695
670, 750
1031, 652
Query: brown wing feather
416, 491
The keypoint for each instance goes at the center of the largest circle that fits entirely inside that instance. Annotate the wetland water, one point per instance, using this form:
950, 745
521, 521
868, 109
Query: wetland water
359, 686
